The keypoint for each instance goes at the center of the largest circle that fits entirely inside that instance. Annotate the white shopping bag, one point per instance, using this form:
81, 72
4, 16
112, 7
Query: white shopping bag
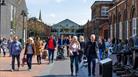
84, 62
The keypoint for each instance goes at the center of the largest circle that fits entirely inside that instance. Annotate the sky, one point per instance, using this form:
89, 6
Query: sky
54, 11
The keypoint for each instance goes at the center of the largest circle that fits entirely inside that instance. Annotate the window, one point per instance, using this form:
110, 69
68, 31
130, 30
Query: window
133, 2
104, 11
12, 18
134, 31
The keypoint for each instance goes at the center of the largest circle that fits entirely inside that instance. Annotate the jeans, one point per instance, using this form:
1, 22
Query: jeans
67, 51
90, 59
29, 60
74, 58
13, 61
39, 59
50, 53
4, 51
100, 54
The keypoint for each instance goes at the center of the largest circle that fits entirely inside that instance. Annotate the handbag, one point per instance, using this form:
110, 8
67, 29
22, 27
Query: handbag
44, 54
24, 60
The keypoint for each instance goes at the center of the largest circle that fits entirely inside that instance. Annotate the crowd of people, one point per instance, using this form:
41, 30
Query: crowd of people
75, 48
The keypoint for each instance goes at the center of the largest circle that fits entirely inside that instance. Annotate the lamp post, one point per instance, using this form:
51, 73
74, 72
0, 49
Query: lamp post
23, 13
2, 3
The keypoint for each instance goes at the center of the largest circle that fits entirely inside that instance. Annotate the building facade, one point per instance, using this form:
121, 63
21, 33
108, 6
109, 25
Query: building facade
67, 27
99, 19
11, 18
123, 18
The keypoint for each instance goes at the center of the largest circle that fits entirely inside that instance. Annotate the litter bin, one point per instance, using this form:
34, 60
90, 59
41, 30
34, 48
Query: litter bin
105, 67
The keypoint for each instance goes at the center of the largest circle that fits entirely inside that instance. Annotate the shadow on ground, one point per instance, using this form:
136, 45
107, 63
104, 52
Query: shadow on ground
5, 70
54, 76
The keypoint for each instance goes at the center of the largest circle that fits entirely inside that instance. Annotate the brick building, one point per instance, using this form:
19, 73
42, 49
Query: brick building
99, 19
123, 17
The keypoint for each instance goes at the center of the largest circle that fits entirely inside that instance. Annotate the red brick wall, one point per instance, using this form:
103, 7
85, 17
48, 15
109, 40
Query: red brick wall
120, 9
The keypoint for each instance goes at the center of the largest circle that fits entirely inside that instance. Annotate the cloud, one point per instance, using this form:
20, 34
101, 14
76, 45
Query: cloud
59, 1
52, 15
84, 1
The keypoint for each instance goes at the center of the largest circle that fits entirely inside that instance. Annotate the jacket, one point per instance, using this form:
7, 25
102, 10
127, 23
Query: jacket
16, 48
90, 49
46, 46
39, 47
33, 48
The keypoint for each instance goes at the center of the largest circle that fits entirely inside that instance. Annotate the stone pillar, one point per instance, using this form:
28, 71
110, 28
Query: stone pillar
111, 31
137, 26
115, 30
127, 30
120, 30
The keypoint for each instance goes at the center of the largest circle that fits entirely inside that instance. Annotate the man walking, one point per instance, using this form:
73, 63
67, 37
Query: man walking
16, 49
51, 45
91, 54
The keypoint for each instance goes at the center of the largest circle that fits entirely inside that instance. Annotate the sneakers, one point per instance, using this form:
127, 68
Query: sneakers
17, 69
89, 75
93, 74
29, 69
71, 74
12, 70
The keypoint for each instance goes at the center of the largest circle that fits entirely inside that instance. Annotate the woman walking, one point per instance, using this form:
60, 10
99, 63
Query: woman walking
39, 47
74, 48
4, 46
82, 46
101, 46
29, 52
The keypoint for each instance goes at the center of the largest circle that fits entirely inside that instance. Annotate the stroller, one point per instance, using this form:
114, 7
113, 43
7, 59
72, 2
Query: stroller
60, 53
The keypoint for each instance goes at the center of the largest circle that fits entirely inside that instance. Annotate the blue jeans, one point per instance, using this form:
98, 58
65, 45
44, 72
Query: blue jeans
100, 54
74, 58
91, 60
50, 53
29, 60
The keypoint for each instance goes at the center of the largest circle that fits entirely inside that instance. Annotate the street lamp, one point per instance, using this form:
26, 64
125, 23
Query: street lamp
23, 13
2, 3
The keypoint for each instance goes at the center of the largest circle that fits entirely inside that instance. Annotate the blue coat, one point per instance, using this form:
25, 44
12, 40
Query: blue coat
16, 48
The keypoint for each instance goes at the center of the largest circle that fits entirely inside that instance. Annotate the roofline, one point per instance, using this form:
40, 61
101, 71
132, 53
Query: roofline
100, 18
64, 20
98, 2
118, 4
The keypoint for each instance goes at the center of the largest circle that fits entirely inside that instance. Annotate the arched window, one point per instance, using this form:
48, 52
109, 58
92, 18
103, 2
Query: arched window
124, 29
132, 11
133, 23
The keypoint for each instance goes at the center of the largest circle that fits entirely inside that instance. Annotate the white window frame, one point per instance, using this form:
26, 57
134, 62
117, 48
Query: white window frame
134, 27
104, 11
120, 30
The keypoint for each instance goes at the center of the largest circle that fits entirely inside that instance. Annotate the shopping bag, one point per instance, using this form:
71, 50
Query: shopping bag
24, 60
83, 62
44, 54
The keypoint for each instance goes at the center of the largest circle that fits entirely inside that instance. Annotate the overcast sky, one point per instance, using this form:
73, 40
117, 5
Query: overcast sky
54, 11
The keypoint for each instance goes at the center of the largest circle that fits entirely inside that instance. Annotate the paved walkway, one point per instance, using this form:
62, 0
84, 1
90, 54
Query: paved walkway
56, 69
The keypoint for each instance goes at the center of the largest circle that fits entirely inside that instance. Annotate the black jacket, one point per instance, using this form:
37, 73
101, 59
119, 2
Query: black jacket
90, 49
